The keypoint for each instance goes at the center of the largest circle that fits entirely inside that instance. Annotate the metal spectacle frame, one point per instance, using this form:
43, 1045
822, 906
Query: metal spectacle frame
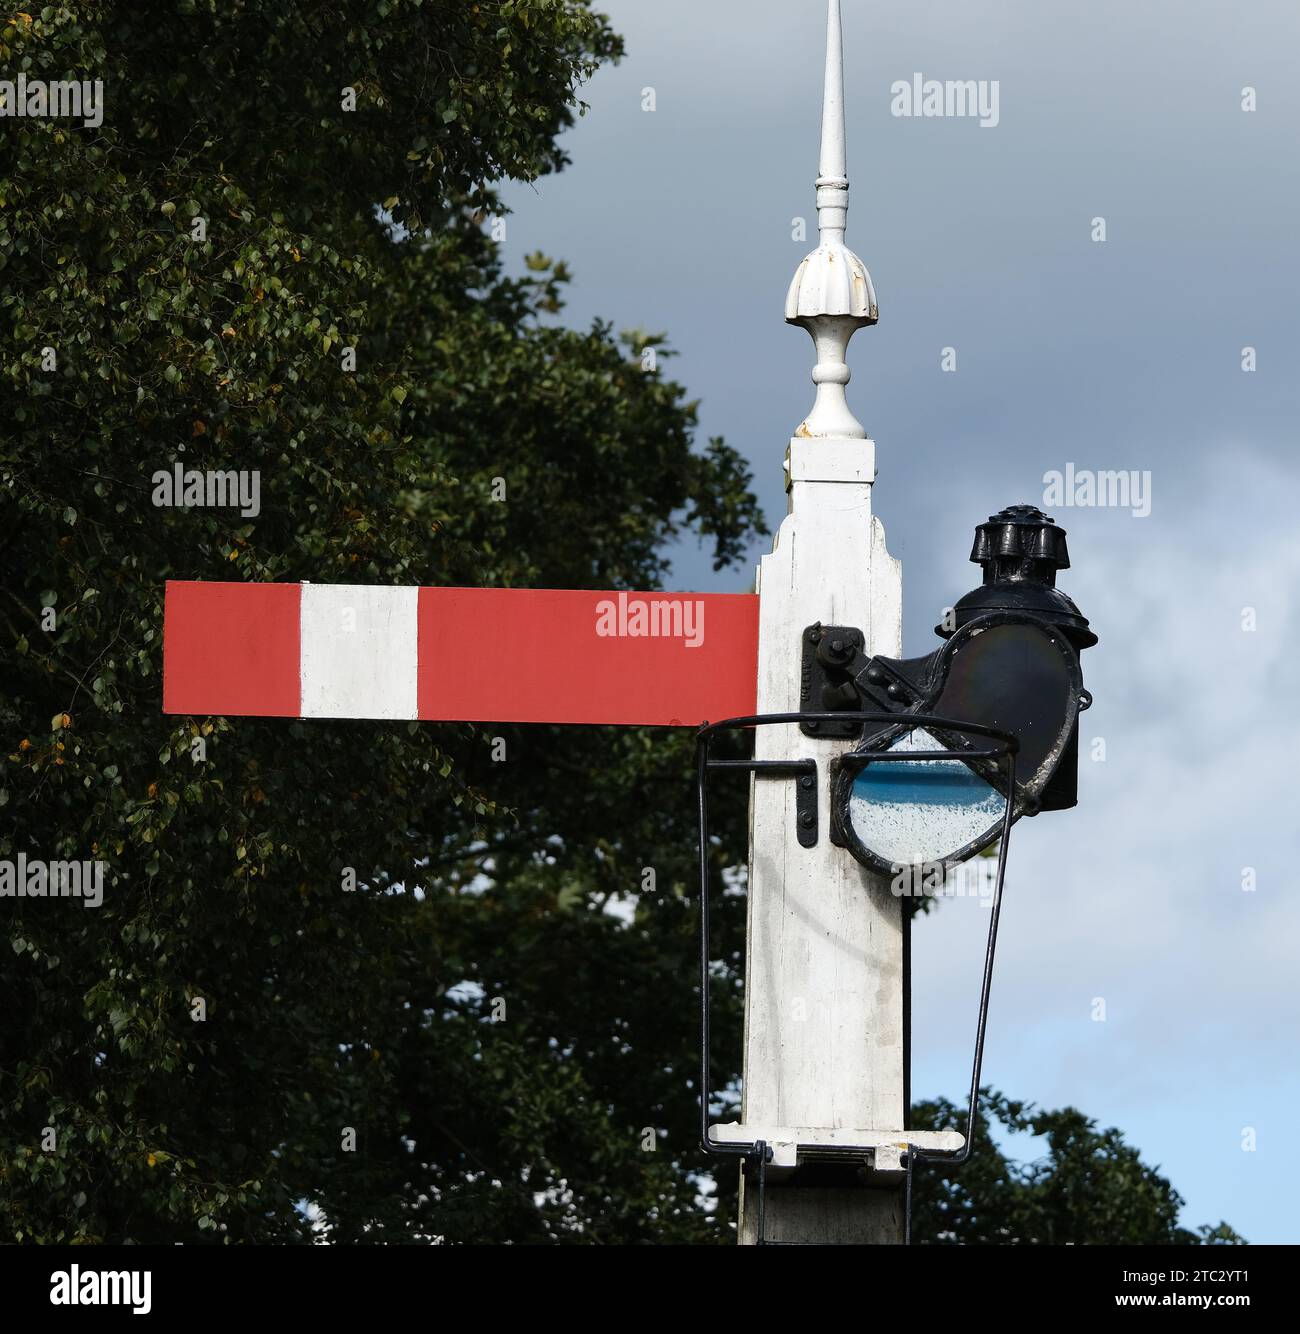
758, 1154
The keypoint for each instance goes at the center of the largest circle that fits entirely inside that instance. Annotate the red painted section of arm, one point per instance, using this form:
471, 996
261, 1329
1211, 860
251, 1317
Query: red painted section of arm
559, 656
231, 649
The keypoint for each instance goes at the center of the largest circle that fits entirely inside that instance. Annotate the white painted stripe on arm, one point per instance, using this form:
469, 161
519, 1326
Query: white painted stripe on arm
359, 651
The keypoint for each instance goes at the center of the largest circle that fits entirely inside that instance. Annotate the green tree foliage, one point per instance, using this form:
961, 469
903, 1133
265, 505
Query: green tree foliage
219, 345
1088, 1188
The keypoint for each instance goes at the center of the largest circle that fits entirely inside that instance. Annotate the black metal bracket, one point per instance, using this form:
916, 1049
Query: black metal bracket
831, 656
805, 792
838, 676
757, 1163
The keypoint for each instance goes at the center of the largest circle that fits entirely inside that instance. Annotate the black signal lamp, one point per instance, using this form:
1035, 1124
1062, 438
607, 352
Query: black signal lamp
1009, 668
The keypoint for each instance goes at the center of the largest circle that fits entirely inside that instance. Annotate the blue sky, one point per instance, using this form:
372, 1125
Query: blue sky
1125, 354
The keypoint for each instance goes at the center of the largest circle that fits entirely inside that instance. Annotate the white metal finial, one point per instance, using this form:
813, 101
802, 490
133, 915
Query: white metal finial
831, 295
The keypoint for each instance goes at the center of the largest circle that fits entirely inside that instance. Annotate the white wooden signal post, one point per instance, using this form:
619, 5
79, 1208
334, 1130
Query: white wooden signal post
824, 971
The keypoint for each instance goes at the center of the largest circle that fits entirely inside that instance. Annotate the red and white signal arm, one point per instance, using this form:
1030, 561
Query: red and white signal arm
458, 654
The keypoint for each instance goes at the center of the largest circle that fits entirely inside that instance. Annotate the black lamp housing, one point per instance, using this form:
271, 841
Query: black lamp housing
1010, 663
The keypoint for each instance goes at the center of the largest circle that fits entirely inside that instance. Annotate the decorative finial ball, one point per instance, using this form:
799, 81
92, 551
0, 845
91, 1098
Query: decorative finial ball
831, 281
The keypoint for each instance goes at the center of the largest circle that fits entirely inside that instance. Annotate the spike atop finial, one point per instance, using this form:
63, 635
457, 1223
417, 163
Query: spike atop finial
832, 178
831, 295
